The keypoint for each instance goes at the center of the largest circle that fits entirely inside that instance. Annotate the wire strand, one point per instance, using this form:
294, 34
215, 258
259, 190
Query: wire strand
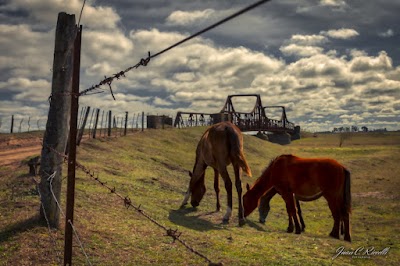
222, 21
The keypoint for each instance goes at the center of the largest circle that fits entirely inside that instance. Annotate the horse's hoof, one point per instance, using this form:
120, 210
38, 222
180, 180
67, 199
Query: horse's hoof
334, 235
262, 221
347, 238
182, 206
242, 222
298, 232
290, 230
225, 221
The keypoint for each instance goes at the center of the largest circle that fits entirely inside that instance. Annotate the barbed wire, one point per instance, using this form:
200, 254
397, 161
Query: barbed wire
80, 14
174, 234
50, 180
144, 62
52, 239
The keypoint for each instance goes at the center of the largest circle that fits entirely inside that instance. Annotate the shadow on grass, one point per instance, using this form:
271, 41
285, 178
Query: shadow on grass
20, 227
181, 217
255, 225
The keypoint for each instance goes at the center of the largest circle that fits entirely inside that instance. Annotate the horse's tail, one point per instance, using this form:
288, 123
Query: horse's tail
236, 150
243, 164
347, 191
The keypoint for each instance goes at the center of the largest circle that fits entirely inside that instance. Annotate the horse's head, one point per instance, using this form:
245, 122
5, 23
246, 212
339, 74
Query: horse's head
198, 190
249, 202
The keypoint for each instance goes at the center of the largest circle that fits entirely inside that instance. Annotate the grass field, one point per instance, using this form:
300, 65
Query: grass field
151, 168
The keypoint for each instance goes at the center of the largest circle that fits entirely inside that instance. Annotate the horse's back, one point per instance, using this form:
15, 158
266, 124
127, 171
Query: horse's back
323, 173
222, 144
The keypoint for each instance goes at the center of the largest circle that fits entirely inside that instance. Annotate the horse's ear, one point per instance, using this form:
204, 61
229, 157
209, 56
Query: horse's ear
190, 174
247, 186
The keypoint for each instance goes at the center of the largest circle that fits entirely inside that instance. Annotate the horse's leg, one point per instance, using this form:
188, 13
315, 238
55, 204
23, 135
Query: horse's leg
186, 198
341, 226
303, 225
292, 212
238, 184
333, 206
346, 222
228, 187
264, 207
216, 187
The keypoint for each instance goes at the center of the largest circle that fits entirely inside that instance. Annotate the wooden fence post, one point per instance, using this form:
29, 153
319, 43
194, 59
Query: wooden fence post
12, 124
56, 134
109, 123
69, 215
126, 122
96, 120
101, 123
81, 131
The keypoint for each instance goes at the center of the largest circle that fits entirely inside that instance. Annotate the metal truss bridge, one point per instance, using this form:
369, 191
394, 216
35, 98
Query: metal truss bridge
255, 120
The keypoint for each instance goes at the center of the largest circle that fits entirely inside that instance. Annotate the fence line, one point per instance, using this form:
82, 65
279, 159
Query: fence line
174, 234
59, 115
25, 122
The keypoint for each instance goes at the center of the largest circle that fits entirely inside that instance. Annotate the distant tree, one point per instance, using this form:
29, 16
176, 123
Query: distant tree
364, 129
343, 136
354, 128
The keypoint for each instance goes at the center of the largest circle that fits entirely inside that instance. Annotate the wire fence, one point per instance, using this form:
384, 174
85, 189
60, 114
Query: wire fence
127, 202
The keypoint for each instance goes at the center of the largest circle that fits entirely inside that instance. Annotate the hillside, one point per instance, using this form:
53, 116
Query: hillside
151, 168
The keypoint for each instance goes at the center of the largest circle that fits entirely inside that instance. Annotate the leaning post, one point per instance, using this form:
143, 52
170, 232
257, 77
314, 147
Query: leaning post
56, 134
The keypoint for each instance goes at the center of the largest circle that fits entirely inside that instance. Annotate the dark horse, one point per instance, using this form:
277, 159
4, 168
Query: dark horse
220, 145
307, 179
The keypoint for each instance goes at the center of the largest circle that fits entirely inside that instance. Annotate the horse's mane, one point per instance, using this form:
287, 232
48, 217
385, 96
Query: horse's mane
265, 172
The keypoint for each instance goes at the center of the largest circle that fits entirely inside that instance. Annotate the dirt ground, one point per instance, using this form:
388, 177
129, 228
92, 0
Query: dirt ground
14, 150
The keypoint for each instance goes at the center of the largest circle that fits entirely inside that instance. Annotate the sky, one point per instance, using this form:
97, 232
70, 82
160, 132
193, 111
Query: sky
331, 63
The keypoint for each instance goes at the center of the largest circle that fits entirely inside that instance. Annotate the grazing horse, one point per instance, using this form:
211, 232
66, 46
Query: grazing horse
220, 145
306, 179
264, 207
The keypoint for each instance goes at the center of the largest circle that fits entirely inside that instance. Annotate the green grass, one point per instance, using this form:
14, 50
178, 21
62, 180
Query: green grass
152, 167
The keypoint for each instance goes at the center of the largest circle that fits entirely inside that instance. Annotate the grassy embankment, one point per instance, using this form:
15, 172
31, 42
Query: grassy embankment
151, 168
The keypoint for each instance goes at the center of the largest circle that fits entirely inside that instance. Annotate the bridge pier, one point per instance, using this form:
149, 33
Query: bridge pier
282, 138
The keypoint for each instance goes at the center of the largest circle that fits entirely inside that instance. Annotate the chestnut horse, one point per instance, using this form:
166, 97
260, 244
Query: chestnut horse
220, 145
305, 178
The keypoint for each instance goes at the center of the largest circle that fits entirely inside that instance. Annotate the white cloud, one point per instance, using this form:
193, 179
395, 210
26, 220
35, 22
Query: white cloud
185, 18
300, 50
46, 12
308, 39
366, 63
333, 3
158, 101
341, 33
386, 34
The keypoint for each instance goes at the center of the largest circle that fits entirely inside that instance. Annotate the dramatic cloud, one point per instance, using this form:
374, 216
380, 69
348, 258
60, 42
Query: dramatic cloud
334, 3
186, 18
326, 61
341, 33
386, 34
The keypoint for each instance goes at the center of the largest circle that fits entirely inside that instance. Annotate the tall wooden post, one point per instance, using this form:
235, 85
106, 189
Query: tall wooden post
69, 219
96, 120
126, 122
109, 123
81, 131
12, 124
56, 133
